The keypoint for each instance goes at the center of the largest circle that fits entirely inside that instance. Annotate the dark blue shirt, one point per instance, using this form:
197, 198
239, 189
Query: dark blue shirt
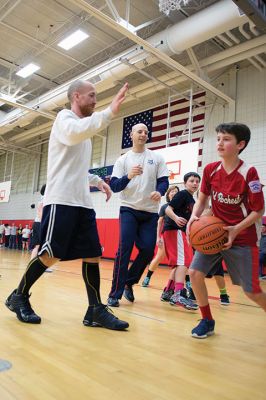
182, 204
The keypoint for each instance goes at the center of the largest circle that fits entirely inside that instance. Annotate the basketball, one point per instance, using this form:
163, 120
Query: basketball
207, 234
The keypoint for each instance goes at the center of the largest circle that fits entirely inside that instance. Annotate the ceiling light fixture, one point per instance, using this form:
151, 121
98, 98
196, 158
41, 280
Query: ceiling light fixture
73, 39
28, 70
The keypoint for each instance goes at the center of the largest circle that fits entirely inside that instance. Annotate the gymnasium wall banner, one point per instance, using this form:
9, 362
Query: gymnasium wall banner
180, 159
5, 188
104, 173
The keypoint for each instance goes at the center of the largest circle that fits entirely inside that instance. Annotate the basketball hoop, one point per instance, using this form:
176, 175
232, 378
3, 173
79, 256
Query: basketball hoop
166, 6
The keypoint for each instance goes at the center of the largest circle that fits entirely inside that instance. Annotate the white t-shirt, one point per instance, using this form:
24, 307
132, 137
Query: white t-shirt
7, 230
13, 230
2, 229
137, 193
26, 233
69, 156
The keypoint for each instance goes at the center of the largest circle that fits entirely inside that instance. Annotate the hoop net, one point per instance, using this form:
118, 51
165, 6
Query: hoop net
170, 5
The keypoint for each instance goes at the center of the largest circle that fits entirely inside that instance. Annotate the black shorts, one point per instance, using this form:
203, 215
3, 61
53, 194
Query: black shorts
25, 239
36, 234
216, 270
69, 233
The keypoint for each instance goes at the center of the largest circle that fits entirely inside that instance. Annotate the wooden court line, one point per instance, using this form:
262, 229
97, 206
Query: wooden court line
143, 316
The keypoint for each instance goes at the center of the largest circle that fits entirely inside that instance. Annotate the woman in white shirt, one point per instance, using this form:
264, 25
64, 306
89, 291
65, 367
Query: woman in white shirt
25, 237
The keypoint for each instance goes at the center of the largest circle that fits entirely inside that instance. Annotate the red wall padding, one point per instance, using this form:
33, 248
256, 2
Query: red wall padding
109, 236
108, 231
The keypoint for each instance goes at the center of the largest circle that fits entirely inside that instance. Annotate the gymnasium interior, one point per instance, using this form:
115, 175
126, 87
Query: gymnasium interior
193, 64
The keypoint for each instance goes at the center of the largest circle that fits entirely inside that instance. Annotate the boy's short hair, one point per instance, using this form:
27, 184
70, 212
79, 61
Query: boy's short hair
189, 174
240, 131
169, 190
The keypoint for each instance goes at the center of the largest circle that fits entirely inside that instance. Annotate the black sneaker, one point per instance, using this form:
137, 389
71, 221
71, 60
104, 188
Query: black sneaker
101, 315
190, 294
183, 293
112, 302
128, 294
19, 304
224, 300
166, 295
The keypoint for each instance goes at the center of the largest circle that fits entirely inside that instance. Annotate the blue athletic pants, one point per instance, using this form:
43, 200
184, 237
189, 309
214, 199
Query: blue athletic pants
139, 228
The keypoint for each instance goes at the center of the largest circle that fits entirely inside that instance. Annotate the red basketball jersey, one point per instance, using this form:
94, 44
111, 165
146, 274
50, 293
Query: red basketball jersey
234, 196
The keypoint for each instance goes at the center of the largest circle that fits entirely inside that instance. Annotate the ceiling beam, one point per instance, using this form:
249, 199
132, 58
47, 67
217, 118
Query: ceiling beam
154, 51
29, 109
212, 63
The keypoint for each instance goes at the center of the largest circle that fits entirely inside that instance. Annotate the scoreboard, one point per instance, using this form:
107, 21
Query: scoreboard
104, 173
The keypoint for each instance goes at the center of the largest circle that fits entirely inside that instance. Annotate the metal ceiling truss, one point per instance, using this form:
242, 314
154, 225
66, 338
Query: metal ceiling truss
152, 50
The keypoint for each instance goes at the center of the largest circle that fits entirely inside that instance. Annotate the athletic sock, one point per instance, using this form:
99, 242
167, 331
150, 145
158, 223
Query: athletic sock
179, 286
223, 291
188, 283
91, 276
170, 285
34, 271
149, 274
206, 312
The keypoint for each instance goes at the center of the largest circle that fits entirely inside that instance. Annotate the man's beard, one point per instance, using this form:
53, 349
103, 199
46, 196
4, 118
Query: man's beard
86, 111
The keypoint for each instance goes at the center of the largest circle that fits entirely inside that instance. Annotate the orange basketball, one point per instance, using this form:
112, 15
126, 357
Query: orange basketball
207, 234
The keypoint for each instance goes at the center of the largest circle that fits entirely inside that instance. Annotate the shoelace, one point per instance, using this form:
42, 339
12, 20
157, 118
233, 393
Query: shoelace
109, 310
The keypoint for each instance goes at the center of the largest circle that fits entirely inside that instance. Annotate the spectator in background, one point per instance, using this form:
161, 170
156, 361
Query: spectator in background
13, 237
19, 237
7, 235
30, 246
262, 254
2, 230
25, 237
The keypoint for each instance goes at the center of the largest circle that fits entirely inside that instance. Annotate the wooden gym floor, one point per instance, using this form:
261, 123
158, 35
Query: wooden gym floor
156, 359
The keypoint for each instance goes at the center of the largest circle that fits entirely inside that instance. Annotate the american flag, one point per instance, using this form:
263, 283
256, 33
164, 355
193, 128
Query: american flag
156, 121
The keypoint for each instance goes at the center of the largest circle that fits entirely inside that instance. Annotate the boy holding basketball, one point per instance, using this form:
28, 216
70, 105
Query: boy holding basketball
237, 199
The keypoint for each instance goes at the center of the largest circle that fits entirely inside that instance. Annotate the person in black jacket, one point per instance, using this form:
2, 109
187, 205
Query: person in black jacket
178, 250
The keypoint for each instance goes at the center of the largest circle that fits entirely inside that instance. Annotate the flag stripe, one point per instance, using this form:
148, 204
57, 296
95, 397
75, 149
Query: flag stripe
180, 101
183, 121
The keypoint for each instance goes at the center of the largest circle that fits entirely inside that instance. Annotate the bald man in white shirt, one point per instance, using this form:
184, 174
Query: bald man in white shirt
141, 177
